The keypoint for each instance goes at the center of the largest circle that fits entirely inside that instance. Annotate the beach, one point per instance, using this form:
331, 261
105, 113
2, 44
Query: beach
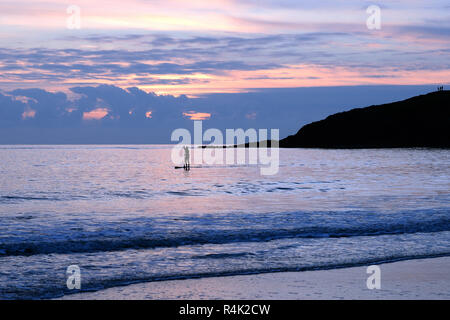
225, 150
409, 280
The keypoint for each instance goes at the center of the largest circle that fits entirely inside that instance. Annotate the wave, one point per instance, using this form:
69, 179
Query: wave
216, 236
13, 199
28, 198
373, 261
49, 292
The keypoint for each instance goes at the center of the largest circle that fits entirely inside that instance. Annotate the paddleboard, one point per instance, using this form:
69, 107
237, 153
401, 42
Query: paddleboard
181, 167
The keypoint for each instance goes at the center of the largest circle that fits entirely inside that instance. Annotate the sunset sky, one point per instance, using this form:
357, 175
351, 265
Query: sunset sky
187, 49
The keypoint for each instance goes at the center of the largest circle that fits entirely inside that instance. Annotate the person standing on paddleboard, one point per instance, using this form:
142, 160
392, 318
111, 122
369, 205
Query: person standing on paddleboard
187, 163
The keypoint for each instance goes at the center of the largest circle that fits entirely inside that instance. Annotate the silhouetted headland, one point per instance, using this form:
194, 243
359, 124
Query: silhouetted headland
418, 122
421, 121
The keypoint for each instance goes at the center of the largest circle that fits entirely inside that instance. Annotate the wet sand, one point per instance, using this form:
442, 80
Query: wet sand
411, 279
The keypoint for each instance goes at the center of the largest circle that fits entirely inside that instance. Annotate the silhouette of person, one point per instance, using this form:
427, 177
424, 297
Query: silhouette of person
187, 163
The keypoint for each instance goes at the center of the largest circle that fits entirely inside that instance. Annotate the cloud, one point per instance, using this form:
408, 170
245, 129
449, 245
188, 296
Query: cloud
95, 114
193, 115
195, 64
109, 114
28, 113
145, 66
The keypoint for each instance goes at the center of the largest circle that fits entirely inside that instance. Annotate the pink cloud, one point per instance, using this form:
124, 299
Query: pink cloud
197, 115
95, 114
28, 113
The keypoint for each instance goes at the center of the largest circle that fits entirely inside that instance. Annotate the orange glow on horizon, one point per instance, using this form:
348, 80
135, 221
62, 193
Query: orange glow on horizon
294, 76
289, 76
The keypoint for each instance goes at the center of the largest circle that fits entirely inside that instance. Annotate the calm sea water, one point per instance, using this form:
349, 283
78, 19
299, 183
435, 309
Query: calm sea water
124, 215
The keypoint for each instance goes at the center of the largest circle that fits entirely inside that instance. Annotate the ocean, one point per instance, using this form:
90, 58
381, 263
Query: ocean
123, 215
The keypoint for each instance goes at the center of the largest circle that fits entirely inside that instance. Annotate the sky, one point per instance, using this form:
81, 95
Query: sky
131, 71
